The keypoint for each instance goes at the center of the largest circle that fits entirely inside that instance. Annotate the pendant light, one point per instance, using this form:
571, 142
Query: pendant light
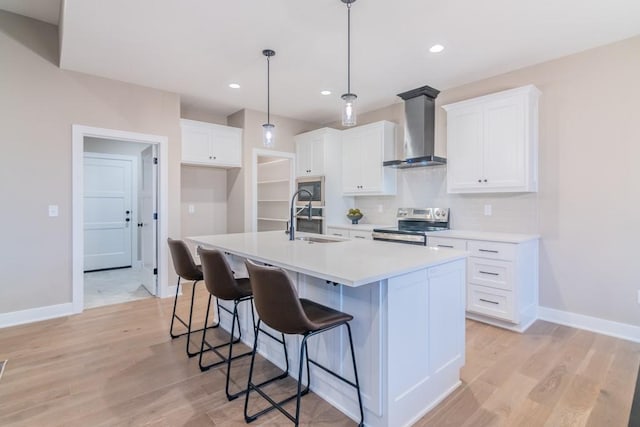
349, 107
268, 129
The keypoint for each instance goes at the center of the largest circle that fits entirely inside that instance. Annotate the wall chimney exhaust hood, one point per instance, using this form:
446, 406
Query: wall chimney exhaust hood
419, 131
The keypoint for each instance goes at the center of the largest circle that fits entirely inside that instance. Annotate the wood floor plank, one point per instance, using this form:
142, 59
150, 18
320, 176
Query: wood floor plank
117, 366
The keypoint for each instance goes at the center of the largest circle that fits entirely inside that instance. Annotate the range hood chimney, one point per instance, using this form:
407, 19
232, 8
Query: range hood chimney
419, 131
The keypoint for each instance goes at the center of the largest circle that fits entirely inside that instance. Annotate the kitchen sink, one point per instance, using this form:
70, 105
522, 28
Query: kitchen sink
311, 239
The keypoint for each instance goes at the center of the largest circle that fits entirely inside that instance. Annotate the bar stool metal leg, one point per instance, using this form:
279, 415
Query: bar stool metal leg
251, 386
188, 324
304, 357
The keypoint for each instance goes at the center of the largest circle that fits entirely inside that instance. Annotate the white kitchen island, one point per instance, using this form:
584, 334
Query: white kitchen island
408, 304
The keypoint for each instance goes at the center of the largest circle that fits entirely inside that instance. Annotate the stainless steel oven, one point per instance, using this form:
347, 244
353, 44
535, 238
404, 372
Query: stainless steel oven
313, 225
413, 225
315, 186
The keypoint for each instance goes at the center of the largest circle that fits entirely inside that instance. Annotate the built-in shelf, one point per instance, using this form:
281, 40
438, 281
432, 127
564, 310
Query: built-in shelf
273, 181
274, 176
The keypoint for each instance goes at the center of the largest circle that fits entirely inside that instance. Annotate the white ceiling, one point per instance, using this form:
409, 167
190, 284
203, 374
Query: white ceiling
42, 10
197, 47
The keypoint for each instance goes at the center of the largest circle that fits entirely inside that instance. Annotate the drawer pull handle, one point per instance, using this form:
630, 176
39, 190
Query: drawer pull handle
445, 246
489, 272
359, 237
488, 250
489, 301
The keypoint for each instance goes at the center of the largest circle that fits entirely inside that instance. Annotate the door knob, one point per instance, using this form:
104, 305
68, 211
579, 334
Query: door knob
127, 212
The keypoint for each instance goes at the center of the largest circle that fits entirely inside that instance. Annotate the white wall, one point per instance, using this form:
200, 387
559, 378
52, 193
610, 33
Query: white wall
39, 103
205, 189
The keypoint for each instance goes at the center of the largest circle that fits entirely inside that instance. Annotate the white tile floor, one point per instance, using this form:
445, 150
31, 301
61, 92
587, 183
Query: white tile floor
113, 287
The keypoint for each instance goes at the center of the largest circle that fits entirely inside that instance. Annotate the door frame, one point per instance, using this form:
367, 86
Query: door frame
134, 197
79, 132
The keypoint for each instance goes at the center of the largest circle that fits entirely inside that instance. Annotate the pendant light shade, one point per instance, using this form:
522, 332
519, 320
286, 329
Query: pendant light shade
268, 129
349, 106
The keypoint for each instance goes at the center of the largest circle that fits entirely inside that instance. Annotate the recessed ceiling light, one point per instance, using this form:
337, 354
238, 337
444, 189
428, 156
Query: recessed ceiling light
325, 92
436, 48
234, 85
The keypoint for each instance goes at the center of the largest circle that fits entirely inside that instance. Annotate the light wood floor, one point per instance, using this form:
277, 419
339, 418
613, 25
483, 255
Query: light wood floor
116, 366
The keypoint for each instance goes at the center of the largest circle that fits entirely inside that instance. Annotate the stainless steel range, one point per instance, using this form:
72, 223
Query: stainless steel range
413, 225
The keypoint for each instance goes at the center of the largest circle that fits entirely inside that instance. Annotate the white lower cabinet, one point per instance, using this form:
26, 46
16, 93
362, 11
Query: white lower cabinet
351, 234
502, 280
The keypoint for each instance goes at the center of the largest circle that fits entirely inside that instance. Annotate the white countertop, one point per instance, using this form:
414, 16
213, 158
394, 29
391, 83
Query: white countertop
348, 262
485, 235
360, 227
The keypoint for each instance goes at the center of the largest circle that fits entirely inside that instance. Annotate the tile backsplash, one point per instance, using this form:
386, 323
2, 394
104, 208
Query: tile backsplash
427, 187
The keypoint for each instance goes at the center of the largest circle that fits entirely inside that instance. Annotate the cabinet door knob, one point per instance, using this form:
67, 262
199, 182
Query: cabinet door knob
485, 180
479, 180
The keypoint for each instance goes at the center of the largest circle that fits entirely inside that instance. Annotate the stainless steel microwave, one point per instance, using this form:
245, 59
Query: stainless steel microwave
315, 186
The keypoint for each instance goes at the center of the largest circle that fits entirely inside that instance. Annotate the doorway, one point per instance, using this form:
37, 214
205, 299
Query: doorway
273, 183
119, 216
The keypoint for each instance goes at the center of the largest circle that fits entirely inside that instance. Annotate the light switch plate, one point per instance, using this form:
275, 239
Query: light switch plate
53, 210
192, 209
487, 210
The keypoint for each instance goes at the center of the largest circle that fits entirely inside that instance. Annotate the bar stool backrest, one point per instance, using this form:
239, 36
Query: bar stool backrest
218, 276
183, 261
276, 300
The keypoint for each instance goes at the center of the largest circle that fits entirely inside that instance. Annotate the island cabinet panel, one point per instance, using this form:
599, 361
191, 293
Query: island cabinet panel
332, 348
424, 309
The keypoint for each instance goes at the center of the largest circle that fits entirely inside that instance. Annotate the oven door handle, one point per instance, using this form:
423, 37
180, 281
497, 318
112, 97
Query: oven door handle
399, 237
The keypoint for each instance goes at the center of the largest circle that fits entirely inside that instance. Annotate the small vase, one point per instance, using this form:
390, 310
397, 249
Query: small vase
354, 218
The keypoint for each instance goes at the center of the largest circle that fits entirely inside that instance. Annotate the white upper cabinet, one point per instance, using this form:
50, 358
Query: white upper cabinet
310, 153
364, 148
208, 144
492, 143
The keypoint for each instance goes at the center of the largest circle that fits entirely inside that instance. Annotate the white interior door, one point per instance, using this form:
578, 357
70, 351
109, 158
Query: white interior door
148, 207
108, 209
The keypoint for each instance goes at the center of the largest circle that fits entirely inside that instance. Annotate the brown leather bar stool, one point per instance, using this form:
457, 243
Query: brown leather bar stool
186, 269
279, 307
221, 284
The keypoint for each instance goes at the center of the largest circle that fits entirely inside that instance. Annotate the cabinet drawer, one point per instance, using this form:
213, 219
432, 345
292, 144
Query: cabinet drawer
491, 302
337, 232
489, 272
494, 250
360, 234
445, 242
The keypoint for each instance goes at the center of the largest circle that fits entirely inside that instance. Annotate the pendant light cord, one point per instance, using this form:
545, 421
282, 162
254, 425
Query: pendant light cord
348, 47
268, 93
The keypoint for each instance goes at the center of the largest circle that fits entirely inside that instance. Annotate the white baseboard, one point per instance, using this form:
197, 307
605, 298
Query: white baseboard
594, 324
35, 314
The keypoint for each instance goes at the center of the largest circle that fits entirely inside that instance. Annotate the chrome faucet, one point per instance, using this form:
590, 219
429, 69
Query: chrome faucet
293, 213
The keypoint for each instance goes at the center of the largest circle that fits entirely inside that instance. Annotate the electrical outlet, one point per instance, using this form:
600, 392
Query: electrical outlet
487, 210
53, 210
192, 209
380, 208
